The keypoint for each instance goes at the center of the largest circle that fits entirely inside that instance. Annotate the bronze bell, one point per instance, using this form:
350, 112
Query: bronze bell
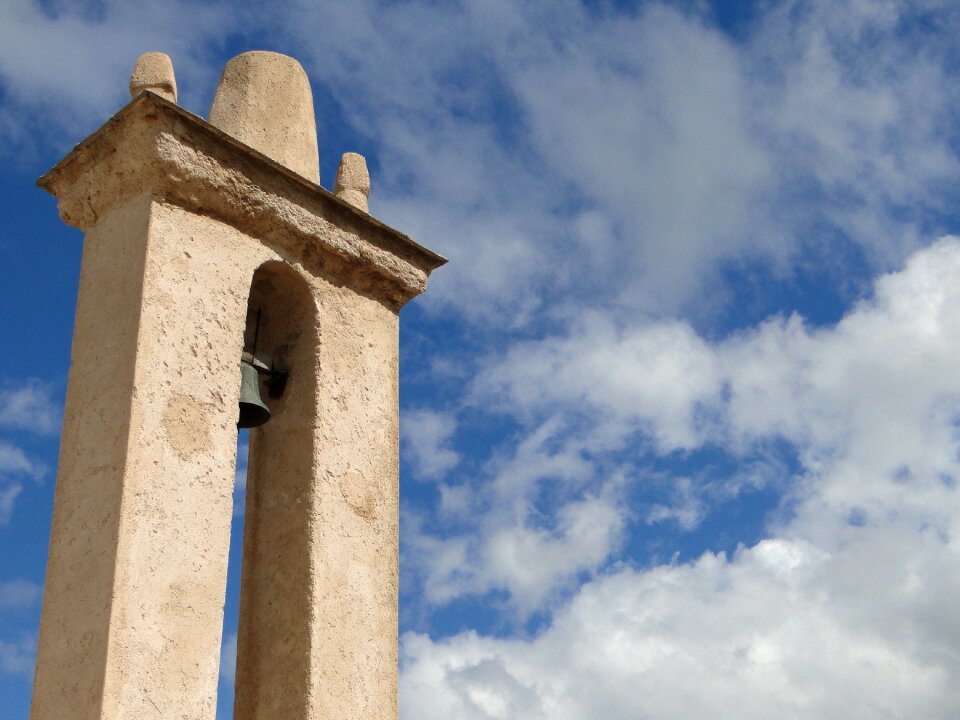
253, 411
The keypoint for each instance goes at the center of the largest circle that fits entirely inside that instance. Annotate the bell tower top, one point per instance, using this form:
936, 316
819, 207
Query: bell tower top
191, 228
253, 165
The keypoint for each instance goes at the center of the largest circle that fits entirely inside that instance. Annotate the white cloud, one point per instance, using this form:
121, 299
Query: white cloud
650, 376
845, 609
531, 562
427, 436
882, 373
650, 119
510, 543
29, 407
9, 491
65, 66
687, 510
26, 407
556, 152
14, 464
14, 461
862, 125
18, 593
768, 633
228, 660
17, 658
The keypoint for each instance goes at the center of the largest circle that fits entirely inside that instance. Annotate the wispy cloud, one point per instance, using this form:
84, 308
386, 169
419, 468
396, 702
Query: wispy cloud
650, 146
14, 465
14, 461
19, 593
748, 637
427, 435
65, 66
29, 407
228, 660
17, 658
627, 157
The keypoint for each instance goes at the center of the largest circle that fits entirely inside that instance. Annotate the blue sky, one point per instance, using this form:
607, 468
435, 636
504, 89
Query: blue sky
680, 419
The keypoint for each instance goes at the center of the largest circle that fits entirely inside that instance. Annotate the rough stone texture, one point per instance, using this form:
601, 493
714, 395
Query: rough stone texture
264, 100
190, 163
93, 448
186, 229
353, 180
154, 72
178, 486
134, 596
322, 495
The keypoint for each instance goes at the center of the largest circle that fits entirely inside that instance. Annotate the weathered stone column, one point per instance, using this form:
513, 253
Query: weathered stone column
188, 226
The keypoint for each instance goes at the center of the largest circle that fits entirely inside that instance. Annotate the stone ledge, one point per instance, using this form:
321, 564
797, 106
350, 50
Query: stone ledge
153, 145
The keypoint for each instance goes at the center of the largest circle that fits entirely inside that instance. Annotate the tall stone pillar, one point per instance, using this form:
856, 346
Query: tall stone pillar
191, 227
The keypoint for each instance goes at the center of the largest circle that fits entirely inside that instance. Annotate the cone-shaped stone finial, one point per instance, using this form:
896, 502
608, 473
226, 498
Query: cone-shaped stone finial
264, 100
154, 72
353, 180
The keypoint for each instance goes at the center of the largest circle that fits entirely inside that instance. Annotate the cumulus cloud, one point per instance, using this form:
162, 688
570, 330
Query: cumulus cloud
651, 376
845, 608
880, 373
529, 557
775, 631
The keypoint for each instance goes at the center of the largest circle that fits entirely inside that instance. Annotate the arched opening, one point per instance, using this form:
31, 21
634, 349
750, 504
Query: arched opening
271, 597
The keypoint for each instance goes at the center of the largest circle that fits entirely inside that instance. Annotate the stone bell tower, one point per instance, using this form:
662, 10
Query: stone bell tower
206, 242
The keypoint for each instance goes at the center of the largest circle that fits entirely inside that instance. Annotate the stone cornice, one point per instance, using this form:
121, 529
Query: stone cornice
153, 145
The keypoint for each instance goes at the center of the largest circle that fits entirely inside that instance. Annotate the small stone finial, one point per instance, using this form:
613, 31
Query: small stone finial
154, 72
264, 100
353, 180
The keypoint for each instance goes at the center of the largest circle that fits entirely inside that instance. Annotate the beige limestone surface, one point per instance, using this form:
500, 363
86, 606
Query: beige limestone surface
134, 591
153, 72
197, 166
186, 230
264, 100
353, 180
